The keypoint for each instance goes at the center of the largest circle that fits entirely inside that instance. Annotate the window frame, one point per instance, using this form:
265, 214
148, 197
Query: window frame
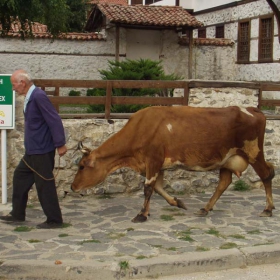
199, 33
239, 45
217, 31
261, 59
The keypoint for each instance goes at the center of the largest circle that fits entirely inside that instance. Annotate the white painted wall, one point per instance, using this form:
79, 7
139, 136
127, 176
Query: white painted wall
196, 5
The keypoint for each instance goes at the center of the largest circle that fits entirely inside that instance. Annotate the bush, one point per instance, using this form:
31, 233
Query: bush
74, 93
142, 69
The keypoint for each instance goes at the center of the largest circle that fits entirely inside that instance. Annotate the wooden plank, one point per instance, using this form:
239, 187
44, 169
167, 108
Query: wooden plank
147, 100
77, 100
221, 84
148, 84
270, 102
70, 83
270, 87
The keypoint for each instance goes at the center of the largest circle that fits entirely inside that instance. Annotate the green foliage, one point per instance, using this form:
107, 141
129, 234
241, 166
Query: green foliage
124, 265
241, 186
58, 15
23, 229
74, 93
142, 69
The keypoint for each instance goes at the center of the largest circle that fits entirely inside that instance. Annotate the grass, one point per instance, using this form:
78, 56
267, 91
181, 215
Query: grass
185, 236
213, 231
113, 235
202, 249
237, 236
63, 235
166, 218
124, 265
23, 229
141, 257
256, 231
241, 186
89, 241
172, 249
66, 225
34, 241
228, 245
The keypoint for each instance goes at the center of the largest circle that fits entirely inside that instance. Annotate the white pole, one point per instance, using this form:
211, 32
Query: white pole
4, 164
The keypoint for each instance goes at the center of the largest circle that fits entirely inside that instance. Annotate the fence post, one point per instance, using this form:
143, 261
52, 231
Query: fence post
186, 94
260, 97
108, 101
56, 93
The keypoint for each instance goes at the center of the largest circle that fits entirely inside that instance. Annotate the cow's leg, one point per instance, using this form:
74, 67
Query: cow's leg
143, 214
224, 182
173, 201
265, 171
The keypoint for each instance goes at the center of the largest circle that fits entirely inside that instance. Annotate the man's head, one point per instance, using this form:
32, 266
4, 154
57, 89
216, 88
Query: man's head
21, 81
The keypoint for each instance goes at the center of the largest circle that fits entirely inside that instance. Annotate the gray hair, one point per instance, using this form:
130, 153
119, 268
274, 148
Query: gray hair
23, 75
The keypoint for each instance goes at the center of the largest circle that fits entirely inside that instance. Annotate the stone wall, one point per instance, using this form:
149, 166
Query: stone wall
93, 132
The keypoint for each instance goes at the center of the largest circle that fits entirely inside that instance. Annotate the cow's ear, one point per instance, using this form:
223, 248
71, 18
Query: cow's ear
89, 162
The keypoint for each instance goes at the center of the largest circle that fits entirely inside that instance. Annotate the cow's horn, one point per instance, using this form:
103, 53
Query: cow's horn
83, 149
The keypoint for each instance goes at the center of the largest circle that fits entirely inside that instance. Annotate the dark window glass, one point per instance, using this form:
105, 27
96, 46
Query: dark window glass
244, 42
220, 31
136, 2
148, 2
202, 33
266, 39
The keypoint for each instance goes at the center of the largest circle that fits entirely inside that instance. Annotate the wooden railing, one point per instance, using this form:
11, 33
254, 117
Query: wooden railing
53, 89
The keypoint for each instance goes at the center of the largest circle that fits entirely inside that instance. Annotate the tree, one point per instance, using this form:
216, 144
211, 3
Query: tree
142, 69
58, 15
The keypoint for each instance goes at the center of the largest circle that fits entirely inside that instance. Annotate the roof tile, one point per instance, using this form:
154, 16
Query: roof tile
171, 16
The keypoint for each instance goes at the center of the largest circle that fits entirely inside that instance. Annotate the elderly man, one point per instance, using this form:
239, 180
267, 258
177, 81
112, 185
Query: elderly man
43, 136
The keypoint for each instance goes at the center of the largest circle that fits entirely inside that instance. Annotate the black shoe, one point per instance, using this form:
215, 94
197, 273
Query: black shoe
10, 218
49, 225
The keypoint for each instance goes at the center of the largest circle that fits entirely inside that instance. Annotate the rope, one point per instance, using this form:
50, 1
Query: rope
40, 174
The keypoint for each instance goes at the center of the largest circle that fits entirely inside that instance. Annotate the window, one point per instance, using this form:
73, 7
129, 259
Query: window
243, 49
265, 39
136, 2
148, 2
202, 33
220, 31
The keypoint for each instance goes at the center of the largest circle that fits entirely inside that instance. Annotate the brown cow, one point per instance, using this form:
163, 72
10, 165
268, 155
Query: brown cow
196, 139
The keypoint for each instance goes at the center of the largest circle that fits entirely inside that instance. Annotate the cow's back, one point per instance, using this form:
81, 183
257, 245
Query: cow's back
194, 135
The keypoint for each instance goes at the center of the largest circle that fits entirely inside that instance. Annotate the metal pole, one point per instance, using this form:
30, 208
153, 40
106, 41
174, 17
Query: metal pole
4, 164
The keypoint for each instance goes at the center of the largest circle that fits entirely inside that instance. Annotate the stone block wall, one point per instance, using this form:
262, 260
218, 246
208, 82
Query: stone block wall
93, 132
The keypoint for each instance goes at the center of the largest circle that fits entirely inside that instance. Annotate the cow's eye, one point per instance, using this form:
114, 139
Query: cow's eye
81, 167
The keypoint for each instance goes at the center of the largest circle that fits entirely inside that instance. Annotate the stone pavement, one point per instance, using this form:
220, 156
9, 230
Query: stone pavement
100, 242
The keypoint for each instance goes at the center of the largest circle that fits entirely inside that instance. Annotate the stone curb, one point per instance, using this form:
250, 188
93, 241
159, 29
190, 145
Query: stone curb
143, 269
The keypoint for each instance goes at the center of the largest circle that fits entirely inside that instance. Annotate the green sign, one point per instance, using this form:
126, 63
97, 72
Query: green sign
7, 103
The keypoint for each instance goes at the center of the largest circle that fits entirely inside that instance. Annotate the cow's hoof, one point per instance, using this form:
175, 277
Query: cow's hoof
140, 218
201, 213
180, 203
266, 213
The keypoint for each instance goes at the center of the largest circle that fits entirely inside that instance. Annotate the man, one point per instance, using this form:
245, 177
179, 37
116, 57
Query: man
43, 135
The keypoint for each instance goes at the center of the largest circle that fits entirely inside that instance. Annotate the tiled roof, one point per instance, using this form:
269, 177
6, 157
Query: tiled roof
119, 2
40, 31
207, 41
164, 16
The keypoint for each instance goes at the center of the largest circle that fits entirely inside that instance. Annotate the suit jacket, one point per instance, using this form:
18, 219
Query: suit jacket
43, 128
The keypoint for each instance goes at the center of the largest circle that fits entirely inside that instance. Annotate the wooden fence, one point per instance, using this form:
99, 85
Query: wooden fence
53, 89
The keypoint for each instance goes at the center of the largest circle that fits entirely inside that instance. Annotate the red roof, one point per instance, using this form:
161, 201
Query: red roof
41, 31
119, 2
163, 16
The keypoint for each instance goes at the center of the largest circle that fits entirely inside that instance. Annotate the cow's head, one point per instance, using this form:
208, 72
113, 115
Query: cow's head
90, 172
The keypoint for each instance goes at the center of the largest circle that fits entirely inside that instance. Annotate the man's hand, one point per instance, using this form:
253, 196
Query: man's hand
62, 150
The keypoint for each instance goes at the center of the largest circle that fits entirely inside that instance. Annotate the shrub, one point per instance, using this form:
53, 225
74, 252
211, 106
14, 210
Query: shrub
74, 93
142, 69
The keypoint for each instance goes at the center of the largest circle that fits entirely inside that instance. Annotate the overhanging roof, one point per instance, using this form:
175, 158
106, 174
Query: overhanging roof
141, 16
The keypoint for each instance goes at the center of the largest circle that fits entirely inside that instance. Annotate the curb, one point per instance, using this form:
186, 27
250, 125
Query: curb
142, 269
